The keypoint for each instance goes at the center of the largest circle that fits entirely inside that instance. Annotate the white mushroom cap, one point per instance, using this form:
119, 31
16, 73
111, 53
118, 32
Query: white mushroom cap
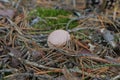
58, 38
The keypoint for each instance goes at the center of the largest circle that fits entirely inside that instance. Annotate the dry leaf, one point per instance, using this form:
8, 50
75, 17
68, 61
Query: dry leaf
7, 13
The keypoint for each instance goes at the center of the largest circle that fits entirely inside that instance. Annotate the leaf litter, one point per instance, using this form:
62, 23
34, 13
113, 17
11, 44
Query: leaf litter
92, 53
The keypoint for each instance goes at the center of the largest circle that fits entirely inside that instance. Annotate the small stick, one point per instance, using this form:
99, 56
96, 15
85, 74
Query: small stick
116, 77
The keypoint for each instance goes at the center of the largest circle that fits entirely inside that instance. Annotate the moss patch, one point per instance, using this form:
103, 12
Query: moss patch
52, 18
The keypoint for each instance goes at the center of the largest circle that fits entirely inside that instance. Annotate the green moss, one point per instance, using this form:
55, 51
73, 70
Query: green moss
55, 19
44, 12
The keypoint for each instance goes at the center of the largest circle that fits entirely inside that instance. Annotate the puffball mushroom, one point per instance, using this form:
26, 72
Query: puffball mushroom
58, 38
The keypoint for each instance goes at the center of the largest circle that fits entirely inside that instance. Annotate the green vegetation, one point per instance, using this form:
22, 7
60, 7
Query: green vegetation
52, 18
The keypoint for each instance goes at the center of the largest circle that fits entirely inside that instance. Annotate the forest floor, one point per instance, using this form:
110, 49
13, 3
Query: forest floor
91, 50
